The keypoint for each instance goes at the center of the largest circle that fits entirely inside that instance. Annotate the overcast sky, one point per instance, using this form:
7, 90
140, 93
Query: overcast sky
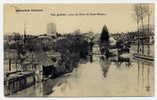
118, 18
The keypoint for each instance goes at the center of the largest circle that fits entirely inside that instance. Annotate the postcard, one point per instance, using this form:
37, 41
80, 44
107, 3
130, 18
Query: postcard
78, 50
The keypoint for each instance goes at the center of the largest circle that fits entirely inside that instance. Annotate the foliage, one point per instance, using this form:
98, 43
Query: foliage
72, 48
104, 34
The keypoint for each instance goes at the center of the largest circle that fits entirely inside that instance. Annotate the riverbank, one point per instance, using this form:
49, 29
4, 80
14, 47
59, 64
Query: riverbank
46, 56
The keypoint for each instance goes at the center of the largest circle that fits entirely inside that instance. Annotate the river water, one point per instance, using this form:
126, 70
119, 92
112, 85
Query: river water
100, 77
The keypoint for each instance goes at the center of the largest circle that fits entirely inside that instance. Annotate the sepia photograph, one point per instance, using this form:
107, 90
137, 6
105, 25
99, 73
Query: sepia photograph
79, 49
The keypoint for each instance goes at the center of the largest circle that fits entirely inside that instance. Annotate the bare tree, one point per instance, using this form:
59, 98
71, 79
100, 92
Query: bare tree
140, 12
148, 12
136, 16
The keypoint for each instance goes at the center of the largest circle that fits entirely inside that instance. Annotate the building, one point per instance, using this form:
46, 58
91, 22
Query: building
51, 28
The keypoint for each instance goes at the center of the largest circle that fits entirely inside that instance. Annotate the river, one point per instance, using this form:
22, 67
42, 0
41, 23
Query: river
100, 77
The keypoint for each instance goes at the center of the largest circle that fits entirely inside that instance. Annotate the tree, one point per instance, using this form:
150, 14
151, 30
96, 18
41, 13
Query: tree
17, 36
148, 13
104, 34
140, 12
136, 16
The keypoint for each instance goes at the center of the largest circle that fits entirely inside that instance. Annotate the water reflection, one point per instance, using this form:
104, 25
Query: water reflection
105, 64
145, 76
122, 60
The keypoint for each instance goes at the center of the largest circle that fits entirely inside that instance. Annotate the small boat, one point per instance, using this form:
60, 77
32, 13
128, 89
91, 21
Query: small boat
145, 57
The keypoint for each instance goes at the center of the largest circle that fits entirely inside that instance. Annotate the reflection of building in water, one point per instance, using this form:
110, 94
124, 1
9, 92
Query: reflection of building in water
121, 61
145, 82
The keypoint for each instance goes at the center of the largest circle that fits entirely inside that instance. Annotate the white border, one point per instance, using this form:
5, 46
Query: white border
71, 1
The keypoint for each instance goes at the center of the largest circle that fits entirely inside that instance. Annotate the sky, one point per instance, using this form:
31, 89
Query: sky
117, 18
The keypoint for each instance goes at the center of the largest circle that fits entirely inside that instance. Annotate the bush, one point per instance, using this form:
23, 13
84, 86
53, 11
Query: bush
72, 48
